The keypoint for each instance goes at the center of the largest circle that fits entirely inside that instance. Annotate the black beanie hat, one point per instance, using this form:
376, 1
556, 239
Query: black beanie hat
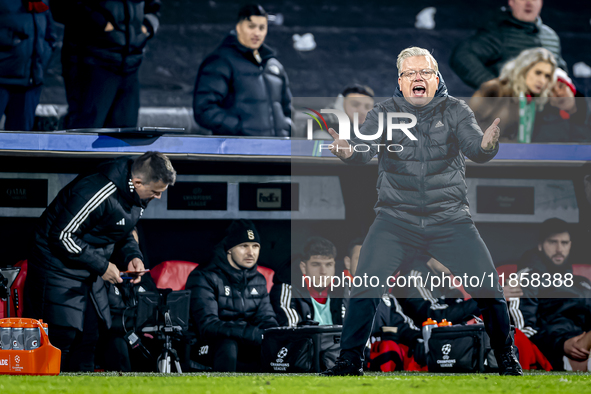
240, 231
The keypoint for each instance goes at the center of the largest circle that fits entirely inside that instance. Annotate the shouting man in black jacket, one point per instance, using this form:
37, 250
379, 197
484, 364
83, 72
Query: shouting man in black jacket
230, 306
422, 205
241, 88
73, 243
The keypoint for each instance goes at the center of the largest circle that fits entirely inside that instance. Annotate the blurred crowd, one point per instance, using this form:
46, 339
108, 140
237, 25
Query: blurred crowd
514, 62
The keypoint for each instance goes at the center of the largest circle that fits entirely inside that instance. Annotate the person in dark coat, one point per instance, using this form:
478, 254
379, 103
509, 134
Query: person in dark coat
27, 40
481, 57
555, 309
241, 88
230, 307
102, 51
566, 117
422, 205
73, 243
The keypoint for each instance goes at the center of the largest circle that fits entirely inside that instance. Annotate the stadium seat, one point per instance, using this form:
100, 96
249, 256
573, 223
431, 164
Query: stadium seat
173, 274
507, 269
268, 273
582, 270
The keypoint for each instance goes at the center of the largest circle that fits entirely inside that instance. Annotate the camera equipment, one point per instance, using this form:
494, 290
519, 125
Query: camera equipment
166, 315
7, 277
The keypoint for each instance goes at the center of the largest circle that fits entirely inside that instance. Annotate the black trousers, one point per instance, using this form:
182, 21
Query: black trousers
228, 355
457, 245
19, 104
77, 347
99, 96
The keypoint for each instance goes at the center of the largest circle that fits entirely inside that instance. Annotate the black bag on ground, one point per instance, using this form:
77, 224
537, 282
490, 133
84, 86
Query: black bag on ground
301, 349
462, 348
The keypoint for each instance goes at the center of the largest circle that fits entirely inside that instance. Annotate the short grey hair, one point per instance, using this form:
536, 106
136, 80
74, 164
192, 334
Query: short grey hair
415, 51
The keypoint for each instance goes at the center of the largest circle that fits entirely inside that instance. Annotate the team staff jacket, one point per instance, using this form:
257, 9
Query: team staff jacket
443, 302
549, 315
85, 36
237, 95
293, 305
424, 183
229, 303
73, 243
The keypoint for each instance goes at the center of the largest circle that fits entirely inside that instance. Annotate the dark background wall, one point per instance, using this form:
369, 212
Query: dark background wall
357, 42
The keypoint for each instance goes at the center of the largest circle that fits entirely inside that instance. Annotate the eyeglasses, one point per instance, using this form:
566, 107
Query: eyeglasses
411, 74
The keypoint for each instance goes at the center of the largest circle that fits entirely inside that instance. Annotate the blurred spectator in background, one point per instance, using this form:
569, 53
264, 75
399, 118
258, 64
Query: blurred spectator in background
241, 88
230, 307
101, 55
554, 312
526, 82
566, 118
481, 57
27, 40
353, 99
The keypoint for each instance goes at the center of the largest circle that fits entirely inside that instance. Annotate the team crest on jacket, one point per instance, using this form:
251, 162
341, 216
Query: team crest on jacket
227, 290
250, 234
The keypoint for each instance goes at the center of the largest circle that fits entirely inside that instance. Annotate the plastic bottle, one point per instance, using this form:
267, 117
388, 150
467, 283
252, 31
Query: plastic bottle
444, 323
428, 325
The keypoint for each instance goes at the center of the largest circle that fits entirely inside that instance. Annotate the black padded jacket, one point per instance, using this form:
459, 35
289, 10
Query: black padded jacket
229, 303
235, 95
425, 183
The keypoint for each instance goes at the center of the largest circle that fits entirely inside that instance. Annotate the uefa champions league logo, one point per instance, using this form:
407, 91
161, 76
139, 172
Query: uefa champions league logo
446, 349
281, 354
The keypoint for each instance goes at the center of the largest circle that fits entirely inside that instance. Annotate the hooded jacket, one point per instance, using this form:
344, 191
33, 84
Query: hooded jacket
27, 40
424, 184
73, 243
481, 57
229, 303
85, 36
235, 95
549, 312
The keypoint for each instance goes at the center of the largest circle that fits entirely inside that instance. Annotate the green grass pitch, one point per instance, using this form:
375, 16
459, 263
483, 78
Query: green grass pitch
376, 383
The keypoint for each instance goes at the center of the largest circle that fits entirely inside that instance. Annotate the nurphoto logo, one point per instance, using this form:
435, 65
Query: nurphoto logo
344, 130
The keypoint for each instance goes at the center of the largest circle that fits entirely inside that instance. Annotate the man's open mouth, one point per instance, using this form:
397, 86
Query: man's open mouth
419, 91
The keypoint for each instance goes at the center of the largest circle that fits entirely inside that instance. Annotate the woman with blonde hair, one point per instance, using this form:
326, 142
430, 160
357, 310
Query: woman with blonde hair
526, 82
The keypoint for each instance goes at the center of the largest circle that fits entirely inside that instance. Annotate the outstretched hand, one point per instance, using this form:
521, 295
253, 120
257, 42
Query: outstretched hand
340, 148
491, 136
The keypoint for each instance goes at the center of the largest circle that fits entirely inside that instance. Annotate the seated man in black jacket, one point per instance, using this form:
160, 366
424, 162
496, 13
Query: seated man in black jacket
230, 307
241, 88
309, 298
555, 310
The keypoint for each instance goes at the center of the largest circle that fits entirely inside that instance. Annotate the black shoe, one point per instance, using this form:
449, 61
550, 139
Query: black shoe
508, 363
343, 368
